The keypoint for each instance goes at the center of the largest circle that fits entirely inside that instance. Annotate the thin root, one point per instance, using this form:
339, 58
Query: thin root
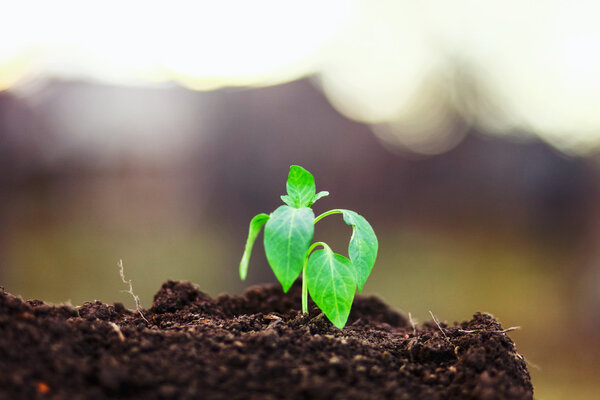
138, 304
512, 328
412, 323
438, 325
532, 365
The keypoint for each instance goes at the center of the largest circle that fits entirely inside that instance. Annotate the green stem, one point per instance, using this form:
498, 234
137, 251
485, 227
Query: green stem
304, 290
330, 212
304, 284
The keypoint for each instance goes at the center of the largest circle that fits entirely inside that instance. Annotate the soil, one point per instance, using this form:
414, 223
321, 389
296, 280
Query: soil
254, 346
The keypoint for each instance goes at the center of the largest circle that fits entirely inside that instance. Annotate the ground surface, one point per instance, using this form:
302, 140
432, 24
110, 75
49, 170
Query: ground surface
254, 346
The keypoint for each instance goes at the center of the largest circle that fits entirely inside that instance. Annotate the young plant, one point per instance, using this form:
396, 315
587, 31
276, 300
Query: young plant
330, 278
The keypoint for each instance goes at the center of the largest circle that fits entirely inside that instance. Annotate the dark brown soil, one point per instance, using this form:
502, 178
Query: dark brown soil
254, 346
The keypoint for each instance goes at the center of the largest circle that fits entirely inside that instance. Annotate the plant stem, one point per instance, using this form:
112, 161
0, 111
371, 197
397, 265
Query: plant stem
304, 283
330, 212
304, 290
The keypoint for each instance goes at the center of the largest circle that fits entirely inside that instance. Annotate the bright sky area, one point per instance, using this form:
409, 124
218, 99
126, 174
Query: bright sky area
396, 64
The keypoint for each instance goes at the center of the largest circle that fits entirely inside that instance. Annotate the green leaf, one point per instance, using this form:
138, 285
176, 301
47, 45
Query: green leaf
255, 226
363, 246
288, 234
317, 196
331, 282
300, 186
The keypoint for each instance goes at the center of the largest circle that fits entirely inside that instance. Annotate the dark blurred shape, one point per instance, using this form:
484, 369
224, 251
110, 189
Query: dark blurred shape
234, 147
24, 167
23, 140
485, 182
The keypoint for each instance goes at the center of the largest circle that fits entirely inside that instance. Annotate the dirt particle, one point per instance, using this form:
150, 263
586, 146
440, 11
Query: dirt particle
335, 360
168, 391
42, 387
475, 357
97, 310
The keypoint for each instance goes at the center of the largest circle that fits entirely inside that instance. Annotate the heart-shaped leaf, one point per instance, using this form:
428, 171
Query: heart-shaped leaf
331, 282
288, 234
363, 246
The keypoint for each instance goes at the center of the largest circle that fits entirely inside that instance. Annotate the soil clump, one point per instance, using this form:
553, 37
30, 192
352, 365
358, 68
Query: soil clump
254, 346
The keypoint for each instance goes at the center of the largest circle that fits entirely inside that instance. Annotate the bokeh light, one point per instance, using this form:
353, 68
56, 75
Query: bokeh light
201, 44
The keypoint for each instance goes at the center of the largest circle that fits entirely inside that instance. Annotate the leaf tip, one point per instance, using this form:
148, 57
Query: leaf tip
244, 266
285, 287
340, 324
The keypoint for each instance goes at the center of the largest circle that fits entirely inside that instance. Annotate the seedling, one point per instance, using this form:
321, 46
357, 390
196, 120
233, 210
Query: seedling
330, 278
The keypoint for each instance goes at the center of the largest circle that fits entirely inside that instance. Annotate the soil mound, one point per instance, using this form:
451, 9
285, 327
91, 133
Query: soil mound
254, 346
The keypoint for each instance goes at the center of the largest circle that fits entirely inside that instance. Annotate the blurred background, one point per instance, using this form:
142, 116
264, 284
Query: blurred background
466, 132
